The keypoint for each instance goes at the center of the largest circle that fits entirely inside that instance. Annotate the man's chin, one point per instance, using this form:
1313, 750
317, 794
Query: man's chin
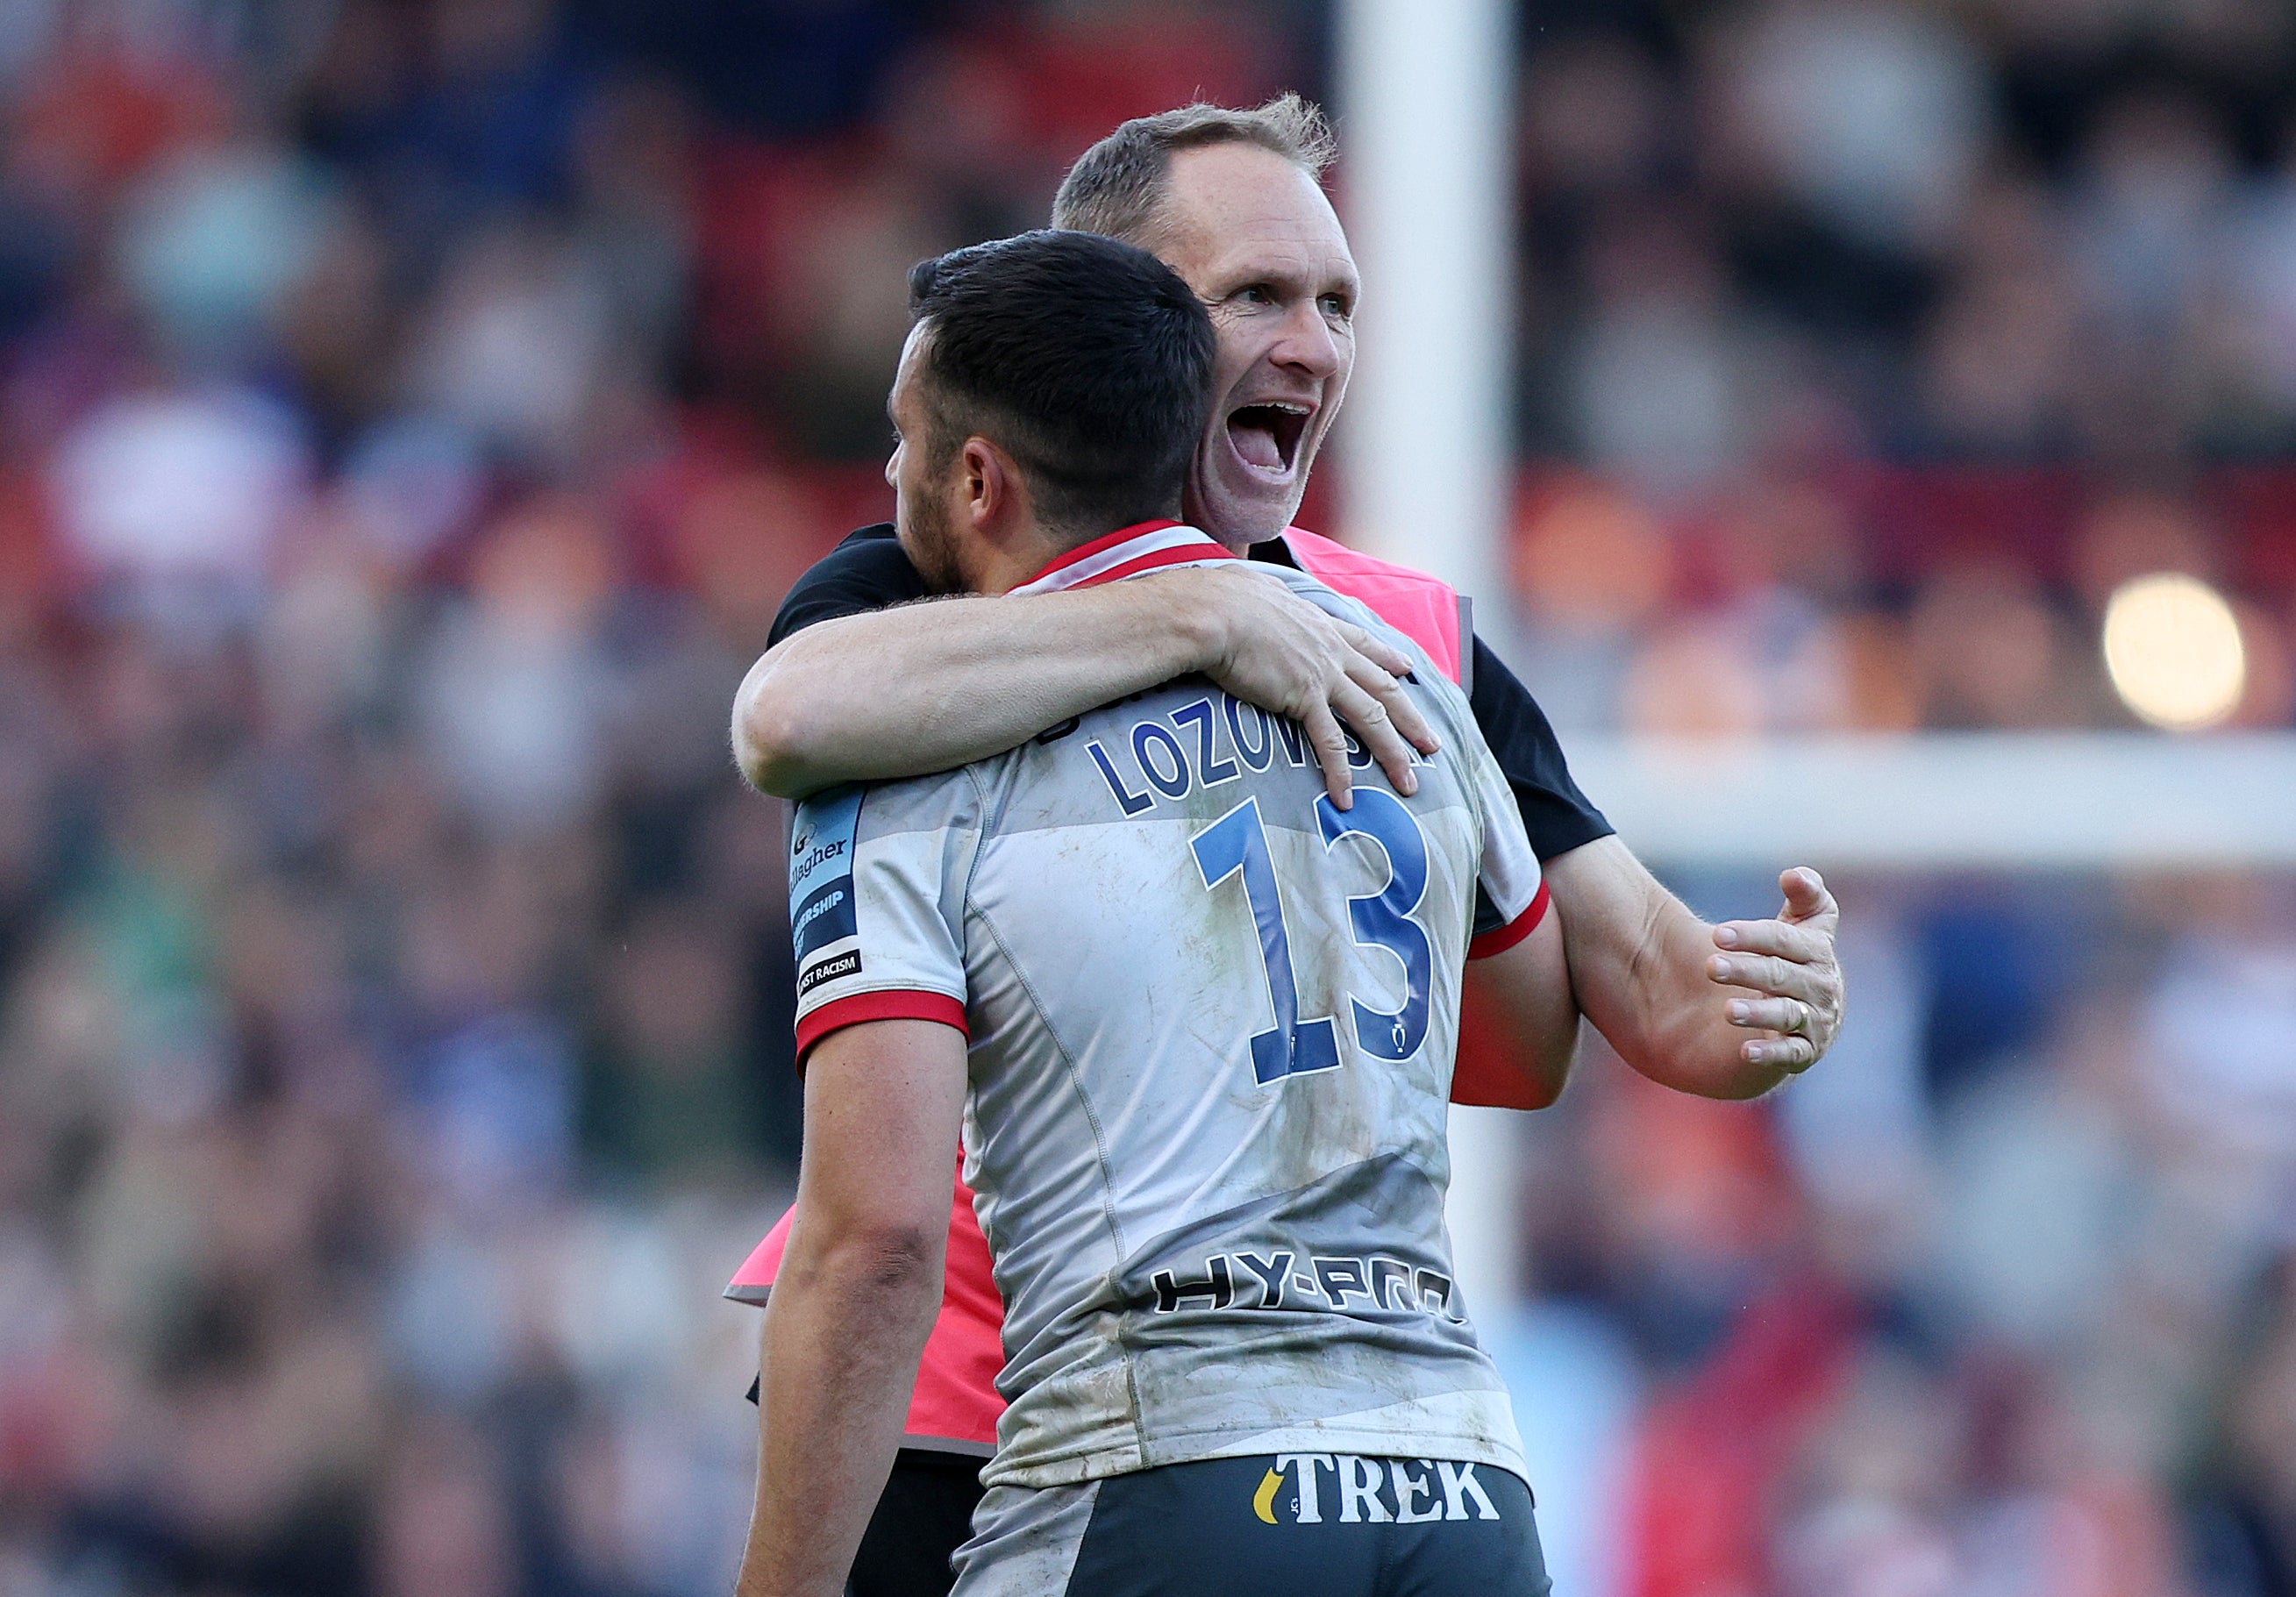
1241, 513
931, 552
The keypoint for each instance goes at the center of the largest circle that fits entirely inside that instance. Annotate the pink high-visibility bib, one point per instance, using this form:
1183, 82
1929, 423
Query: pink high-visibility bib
955, 1406
1430, 612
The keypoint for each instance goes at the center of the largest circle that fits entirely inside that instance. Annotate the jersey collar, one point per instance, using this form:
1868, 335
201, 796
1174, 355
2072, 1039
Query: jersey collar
1127, 552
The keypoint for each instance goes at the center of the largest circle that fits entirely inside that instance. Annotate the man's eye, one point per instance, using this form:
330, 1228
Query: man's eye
1336, 306
1258, 293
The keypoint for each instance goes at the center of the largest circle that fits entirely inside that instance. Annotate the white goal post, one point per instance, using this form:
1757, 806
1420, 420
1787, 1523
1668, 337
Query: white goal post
1424, 103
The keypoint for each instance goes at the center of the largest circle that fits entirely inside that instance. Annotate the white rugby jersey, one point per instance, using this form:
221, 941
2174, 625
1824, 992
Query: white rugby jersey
1211, 1021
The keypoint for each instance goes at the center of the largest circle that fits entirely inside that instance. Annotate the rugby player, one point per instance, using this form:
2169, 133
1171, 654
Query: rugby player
1198, 1022
854, 689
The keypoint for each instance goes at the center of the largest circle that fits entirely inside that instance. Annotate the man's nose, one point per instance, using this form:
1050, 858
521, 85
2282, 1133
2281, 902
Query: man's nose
1308, 344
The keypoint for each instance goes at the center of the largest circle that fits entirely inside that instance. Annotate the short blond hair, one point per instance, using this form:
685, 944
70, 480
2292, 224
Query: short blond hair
1117, 187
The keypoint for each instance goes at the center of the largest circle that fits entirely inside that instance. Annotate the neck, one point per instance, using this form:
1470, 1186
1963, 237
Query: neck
1028, 556
1235, 543
1002, 569
1132, 550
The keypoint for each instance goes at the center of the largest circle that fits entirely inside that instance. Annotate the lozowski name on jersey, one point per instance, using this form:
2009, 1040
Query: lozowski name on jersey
1207, 742
1284, 1278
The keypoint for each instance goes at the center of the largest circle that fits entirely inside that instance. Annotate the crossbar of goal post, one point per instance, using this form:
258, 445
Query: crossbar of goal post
2099, 800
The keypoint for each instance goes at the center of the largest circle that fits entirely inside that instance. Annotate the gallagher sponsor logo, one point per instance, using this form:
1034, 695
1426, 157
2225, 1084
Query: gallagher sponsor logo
808, 862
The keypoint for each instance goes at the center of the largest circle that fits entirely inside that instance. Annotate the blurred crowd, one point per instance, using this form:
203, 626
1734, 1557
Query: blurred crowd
2000, 1299
411, 413
1886, 340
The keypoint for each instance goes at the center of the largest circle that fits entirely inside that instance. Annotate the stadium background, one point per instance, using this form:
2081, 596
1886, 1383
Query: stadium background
410, 414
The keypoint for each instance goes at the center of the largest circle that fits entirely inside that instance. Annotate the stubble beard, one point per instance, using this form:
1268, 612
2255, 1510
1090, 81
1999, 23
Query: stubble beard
932, 548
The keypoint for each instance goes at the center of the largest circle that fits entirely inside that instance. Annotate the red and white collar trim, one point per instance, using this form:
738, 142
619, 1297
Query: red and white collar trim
1127, 552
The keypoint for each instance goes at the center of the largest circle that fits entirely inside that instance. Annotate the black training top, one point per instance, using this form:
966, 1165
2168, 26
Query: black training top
868, 571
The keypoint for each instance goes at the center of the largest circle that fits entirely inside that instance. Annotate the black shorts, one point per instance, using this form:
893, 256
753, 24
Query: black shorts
1315, 1525
923, 1517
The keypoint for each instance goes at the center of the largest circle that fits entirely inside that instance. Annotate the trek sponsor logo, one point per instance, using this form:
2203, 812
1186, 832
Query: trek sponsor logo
1316, 1282
1318, 1488
1207, 743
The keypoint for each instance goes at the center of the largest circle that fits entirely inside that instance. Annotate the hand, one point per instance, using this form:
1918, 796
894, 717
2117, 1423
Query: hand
1272, 648
1790, 964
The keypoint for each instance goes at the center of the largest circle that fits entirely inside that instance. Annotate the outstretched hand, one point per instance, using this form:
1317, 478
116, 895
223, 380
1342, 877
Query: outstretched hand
1789, 964
1280, 653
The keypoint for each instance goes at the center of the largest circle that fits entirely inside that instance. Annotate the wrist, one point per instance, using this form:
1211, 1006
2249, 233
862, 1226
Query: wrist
1188, 620
1161, 624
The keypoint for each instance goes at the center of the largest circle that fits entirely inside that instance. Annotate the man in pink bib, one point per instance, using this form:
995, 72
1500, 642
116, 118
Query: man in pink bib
854, 689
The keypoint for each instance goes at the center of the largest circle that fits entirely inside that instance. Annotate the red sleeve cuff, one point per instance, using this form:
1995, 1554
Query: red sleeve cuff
1500, 938
899, 1004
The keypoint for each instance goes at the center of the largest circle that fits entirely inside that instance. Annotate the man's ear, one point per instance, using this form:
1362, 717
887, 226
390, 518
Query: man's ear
990, 490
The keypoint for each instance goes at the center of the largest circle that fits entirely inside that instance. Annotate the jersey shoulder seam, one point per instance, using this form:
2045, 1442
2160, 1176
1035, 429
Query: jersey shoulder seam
981, 821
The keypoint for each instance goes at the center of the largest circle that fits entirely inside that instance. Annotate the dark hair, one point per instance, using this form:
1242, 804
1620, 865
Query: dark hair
1117, 187
1086, 359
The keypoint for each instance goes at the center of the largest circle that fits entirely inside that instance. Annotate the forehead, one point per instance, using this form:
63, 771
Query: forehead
1238, 210
909, 373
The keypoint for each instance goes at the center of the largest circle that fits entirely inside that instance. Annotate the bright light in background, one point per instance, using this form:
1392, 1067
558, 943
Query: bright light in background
2172, 645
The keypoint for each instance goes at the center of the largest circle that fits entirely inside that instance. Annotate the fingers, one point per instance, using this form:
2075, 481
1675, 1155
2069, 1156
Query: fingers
1331, 746
1385, 655
1294, 659
1780, 938
1378, 734
1807, 897
1779, 977
1791, 1054
1385, 687
1784, 1015
1788, 965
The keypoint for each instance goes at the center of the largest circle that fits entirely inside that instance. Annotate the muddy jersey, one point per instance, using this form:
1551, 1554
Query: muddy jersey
1211, 1022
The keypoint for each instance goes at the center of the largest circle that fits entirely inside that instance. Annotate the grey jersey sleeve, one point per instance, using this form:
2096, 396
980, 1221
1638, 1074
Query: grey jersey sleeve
1510, 888
878, 878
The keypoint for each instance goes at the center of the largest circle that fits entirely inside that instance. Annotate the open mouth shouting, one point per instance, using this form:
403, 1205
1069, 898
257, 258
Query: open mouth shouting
1266, 436
1252, 465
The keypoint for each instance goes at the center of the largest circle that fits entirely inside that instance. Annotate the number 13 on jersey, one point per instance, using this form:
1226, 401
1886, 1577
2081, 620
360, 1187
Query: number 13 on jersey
1236, 844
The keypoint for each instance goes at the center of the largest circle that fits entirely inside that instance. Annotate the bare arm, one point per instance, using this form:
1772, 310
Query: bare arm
924, 687
855, 1297
1520, 998
1723, 1012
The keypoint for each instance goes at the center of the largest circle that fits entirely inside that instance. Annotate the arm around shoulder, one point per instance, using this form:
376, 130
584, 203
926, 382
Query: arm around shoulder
924, 687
